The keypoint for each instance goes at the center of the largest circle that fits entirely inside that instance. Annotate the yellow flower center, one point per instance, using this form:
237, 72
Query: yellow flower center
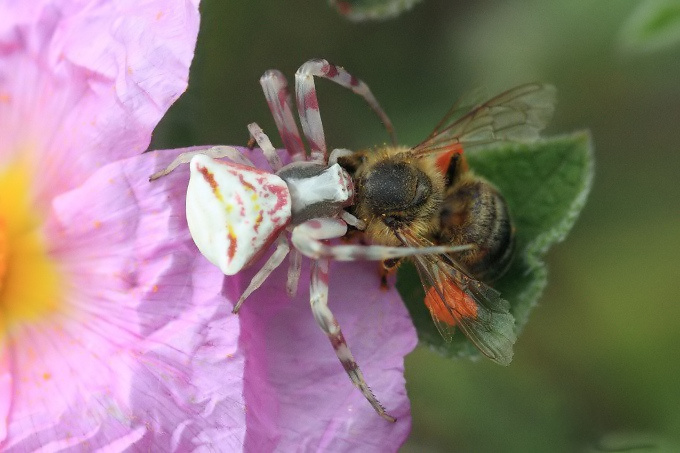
29, 279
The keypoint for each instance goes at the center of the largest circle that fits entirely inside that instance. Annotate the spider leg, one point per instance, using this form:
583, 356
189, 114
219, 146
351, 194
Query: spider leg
308, 105
294, 270
278, 97
307, 238
350, 219
266, 146
318, 290
338, 153
282, 248
216, 152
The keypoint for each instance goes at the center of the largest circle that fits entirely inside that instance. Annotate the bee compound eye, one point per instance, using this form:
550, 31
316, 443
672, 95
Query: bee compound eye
389, 186
423, 189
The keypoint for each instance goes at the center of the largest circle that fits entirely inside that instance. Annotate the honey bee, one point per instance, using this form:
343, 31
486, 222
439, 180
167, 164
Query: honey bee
427, 195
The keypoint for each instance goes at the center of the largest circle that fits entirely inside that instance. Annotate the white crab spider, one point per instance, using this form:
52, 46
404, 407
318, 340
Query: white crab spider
236, 211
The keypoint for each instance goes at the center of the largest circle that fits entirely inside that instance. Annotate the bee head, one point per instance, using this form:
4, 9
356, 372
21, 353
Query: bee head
397, 191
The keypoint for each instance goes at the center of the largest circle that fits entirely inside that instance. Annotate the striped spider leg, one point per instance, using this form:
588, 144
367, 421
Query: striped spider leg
275, 88
308, 104
307, 238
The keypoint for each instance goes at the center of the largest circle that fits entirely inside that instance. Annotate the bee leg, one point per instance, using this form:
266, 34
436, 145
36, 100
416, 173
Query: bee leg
294, 269
282, 248
308, 236
266, 146
278, 97
308, 105
216, 152
318, 290
387, 268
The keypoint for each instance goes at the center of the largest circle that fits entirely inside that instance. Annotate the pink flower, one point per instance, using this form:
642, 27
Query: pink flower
114, 332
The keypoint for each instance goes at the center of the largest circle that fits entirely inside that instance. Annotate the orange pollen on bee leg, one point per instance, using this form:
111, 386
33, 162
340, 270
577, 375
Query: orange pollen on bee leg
455, 299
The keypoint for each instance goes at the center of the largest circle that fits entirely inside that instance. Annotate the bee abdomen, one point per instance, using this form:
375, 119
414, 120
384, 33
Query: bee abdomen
474, 212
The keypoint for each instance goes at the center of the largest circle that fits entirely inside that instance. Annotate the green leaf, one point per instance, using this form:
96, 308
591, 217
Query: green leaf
545, 185
359, 10
653, 25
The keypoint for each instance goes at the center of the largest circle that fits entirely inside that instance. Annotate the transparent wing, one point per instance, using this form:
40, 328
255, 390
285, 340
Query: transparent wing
456, 300
518, 114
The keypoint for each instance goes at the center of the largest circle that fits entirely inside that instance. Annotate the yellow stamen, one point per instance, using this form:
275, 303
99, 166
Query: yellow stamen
3, 250
30, 285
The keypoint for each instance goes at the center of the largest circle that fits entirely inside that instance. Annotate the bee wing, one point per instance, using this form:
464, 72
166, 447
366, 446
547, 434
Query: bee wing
439, 311
455, 299
518, 114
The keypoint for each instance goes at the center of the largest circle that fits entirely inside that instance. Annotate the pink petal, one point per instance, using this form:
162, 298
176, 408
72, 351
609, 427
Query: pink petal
83, 83
5, 387
145, 352
299, 396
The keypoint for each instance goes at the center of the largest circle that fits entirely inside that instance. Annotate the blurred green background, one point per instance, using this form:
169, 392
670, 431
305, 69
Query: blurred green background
598, 365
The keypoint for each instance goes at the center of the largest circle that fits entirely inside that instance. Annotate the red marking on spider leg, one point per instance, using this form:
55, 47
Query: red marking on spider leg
315, 224
337, 340
314, 145
293, 140
353, 81
310, 100
330, 70
283, 97
323, 277
349, 365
